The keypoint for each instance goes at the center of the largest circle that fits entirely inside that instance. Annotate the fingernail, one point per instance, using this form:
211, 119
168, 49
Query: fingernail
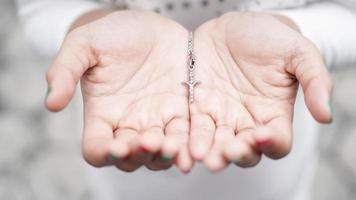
112, 157
331, 108
145, 150
265, 143
165, 158
48, 91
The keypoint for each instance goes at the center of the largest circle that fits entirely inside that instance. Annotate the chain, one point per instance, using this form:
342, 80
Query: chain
191, 83
190, 44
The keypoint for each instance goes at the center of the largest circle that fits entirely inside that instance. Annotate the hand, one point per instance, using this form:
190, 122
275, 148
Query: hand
249, 65
135, 110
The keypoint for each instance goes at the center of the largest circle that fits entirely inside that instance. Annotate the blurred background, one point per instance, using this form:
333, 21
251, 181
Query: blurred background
40, 157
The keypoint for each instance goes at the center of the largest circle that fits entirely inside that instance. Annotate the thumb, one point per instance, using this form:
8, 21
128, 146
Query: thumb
309, 68
73, 59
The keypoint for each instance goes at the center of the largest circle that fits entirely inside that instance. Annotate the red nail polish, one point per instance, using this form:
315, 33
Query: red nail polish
145, 150
266, 142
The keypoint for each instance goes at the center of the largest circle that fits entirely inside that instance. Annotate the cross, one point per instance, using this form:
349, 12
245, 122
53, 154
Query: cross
191, 83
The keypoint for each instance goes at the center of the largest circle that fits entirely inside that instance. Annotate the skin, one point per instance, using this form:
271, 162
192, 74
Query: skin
128, 63
136, 112
244, 106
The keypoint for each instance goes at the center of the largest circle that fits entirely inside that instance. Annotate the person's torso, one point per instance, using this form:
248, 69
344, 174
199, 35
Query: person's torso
283, 179
192, 13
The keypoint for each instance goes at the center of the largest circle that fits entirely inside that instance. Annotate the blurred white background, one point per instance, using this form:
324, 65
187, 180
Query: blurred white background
40, 156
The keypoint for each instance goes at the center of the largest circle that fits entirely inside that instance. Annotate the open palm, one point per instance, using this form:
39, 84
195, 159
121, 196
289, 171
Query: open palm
249, 66
135, 110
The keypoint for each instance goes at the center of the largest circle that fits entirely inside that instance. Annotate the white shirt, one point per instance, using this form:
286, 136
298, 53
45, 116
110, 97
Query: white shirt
331, 25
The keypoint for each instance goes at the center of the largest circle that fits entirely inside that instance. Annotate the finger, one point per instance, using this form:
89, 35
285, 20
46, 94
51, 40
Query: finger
148, 144
157, 167
151, 140
127, 166
215, 160
201, 135
73, 59
124, 137
310, 70
159, 162
184, 160
176, 136
97, 139
275, 138
242, 150
121, 145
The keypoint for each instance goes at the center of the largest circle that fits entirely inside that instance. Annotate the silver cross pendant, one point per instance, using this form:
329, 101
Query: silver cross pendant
191, 83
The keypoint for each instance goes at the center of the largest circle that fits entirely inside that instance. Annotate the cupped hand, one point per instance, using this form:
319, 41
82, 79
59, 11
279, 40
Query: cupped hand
250, 65
136, 112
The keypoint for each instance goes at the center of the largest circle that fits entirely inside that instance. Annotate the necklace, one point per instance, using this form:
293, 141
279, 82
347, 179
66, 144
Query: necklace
191, 83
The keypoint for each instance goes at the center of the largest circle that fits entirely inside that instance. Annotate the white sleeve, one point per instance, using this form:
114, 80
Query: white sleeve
332, 27
46, 22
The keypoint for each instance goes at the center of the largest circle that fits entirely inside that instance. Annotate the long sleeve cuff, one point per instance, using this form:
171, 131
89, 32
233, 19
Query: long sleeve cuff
47, 22
331, 27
